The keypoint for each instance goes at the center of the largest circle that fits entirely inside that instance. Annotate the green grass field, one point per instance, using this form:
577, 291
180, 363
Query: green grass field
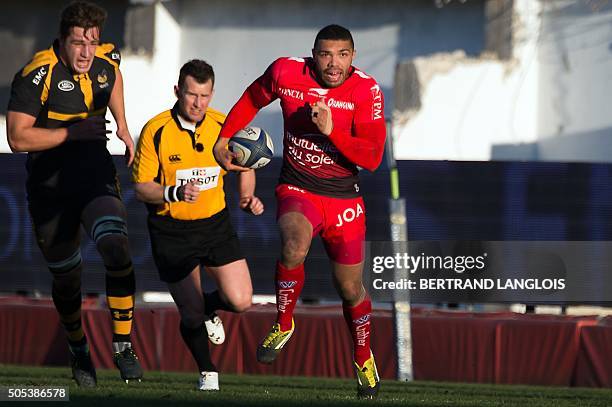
179, 389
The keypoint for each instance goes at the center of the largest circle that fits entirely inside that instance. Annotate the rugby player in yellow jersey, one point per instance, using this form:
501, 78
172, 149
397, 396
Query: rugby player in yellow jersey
56, 114
176, 175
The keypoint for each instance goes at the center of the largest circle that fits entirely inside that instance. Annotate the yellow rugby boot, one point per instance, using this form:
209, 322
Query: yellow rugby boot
273, 343
367, 378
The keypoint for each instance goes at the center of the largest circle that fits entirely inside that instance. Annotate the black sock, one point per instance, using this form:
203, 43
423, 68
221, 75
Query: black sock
213, 302
196, 340
68, 307
121, 338
78, 344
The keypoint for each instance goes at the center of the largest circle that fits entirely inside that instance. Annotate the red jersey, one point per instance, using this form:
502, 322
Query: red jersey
326, 165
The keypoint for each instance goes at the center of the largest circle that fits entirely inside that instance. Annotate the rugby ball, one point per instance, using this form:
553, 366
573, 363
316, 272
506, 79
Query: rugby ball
252, 146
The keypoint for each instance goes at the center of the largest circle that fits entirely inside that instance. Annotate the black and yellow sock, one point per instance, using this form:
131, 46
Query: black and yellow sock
120, 288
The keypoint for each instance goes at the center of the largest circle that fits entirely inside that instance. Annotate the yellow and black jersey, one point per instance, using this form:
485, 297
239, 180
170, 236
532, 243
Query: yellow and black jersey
47, 89
170, 154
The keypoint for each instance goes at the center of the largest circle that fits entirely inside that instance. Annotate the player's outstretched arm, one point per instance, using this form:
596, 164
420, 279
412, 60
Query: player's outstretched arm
117, 108
246, 190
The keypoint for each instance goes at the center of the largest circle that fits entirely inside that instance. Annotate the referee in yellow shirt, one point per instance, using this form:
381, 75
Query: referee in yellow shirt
176, 175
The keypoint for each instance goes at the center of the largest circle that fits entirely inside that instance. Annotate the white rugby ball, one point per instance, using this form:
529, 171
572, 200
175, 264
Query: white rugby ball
252, 146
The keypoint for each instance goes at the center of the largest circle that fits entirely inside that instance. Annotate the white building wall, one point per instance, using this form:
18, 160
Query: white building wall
575, 122
149, 80
551, 102
476, 108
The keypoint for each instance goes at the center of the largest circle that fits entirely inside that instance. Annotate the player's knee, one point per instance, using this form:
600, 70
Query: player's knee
350, 291
66, 265
67, 273
238, 298
294, 252
115, 250
240, 303
110, 235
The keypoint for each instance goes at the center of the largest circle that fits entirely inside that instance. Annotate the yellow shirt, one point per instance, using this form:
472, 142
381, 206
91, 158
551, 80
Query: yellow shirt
167, 153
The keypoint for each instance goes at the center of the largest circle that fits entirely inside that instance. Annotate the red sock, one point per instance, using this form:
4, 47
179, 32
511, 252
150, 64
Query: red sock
358, 321
289, 283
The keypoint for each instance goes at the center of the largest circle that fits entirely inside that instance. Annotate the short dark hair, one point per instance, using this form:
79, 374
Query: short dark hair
81, 14
200, 70
334, 32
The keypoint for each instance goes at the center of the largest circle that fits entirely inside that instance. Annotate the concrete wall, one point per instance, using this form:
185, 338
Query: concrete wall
575, 114
549, 100
475, 108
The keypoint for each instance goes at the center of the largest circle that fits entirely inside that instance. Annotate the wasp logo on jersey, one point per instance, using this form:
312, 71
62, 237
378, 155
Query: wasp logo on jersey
103, 79
174, 158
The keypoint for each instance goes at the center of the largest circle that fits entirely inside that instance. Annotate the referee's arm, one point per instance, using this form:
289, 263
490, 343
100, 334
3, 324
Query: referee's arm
145, 169
149, 192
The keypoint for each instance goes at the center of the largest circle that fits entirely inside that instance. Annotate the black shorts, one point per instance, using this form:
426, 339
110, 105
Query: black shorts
64, 180
56, 218
46, 204
181, 245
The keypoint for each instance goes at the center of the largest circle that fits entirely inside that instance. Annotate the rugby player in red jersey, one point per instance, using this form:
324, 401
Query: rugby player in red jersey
333, 124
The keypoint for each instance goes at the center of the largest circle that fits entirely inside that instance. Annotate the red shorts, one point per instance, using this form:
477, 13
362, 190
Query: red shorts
340, 221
